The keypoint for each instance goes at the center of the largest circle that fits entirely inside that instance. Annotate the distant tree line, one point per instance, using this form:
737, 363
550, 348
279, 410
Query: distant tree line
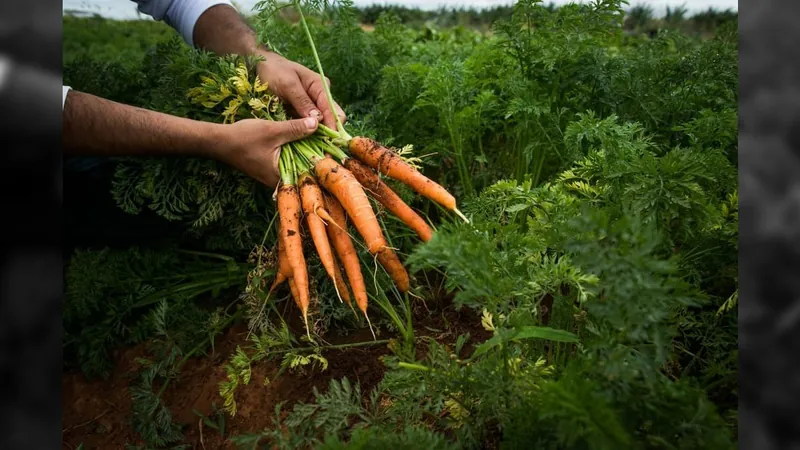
443, 16
640, 18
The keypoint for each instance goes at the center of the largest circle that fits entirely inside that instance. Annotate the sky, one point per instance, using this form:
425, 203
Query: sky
126, 9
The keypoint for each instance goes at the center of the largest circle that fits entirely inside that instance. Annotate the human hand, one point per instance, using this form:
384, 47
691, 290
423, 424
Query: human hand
253, 145
299, 87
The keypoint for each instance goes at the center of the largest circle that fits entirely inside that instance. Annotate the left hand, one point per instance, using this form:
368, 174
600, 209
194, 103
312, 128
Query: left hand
299, 87
253, 146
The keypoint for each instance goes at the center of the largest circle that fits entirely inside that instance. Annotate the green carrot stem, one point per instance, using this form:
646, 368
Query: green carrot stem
335, 151
210, 255
302, 163
295, 171
287, 175
327, 132
342, 132
309, 152
410, 366
331, 347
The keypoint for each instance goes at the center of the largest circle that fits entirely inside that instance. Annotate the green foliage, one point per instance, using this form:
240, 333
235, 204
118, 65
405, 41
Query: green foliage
410, 438
105, 40
151, 418
599, 172
112, 295
238, 369
606, 389
346, 53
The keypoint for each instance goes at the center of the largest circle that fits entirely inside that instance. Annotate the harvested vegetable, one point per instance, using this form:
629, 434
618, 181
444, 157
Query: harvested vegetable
325, 180
388, 198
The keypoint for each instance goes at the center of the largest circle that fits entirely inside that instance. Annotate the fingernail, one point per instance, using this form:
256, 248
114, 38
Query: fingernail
311, 123
316, 113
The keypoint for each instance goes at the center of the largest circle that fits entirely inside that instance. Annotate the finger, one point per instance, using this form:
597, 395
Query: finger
293, 130
298, 97
315, 89
340, 113
328, 118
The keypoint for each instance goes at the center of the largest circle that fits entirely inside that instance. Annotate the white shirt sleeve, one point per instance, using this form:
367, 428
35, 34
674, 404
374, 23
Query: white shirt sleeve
64, 92
181, 15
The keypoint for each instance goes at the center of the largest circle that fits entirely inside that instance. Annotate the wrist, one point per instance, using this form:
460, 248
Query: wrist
268, 57
213, 138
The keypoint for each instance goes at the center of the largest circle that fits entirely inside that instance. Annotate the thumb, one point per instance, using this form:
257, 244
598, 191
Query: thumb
293, 130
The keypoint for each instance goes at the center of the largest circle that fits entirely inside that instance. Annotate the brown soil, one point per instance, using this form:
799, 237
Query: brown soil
97, 413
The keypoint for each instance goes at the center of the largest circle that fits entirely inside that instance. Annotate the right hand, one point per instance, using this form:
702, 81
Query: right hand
253, 145
299, 87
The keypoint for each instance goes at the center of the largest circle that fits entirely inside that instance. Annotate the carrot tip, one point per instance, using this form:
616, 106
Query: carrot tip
336, 288
324, 215
461, 215
374, 338
308, 331
415, 295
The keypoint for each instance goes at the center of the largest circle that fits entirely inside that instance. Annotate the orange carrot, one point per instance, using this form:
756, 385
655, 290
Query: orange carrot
315, 204
339, 282
343, 185
311, 198
289, 212
337, 232
388, 163
297, 295
295, 292
284, 268
388, 198
389, 260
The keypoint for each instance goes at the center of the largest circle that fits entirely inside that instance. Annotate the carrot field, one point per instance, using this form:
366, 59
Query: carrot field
524, 236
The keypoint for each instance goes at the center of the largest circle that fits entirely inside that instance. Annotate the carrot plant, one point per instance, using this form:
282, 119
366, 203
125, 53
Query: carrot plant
597, 169
111, 295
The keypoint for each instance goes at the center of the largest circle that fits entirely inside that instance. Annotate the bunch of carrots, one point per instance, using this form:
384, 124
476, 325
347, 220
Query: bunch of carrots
324, 180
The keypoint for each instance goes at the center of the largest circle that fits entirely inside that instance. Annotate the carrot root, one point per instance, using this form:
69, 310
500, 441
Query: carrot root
348, 191
289, 212
374, 338
312, 201
389, 260
388, 198
461, 215
390, 164
346, 251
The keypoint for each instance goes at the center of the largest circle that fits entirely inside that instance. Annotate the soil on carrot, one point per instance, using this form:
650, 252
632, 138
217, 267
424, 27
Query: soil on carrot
97, 413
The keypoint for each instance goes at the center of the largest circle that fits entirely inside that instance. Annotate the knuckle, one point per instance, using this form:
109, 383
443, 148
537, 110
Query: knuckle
296, 128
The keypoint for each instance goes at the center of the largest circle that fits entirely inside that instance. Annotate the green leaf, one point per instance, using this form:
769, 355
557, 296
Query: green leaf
486, 346
517, 208
550, 334
527, 332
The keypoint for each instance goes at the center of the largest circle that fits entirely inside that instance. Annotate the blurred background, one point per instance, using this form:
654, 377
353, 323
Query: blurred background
125, 9
30, 249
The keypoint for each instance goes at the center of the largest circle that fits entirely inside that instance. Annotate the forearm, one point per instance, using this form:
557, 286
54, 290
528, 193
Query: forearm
221, 30
95, 126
